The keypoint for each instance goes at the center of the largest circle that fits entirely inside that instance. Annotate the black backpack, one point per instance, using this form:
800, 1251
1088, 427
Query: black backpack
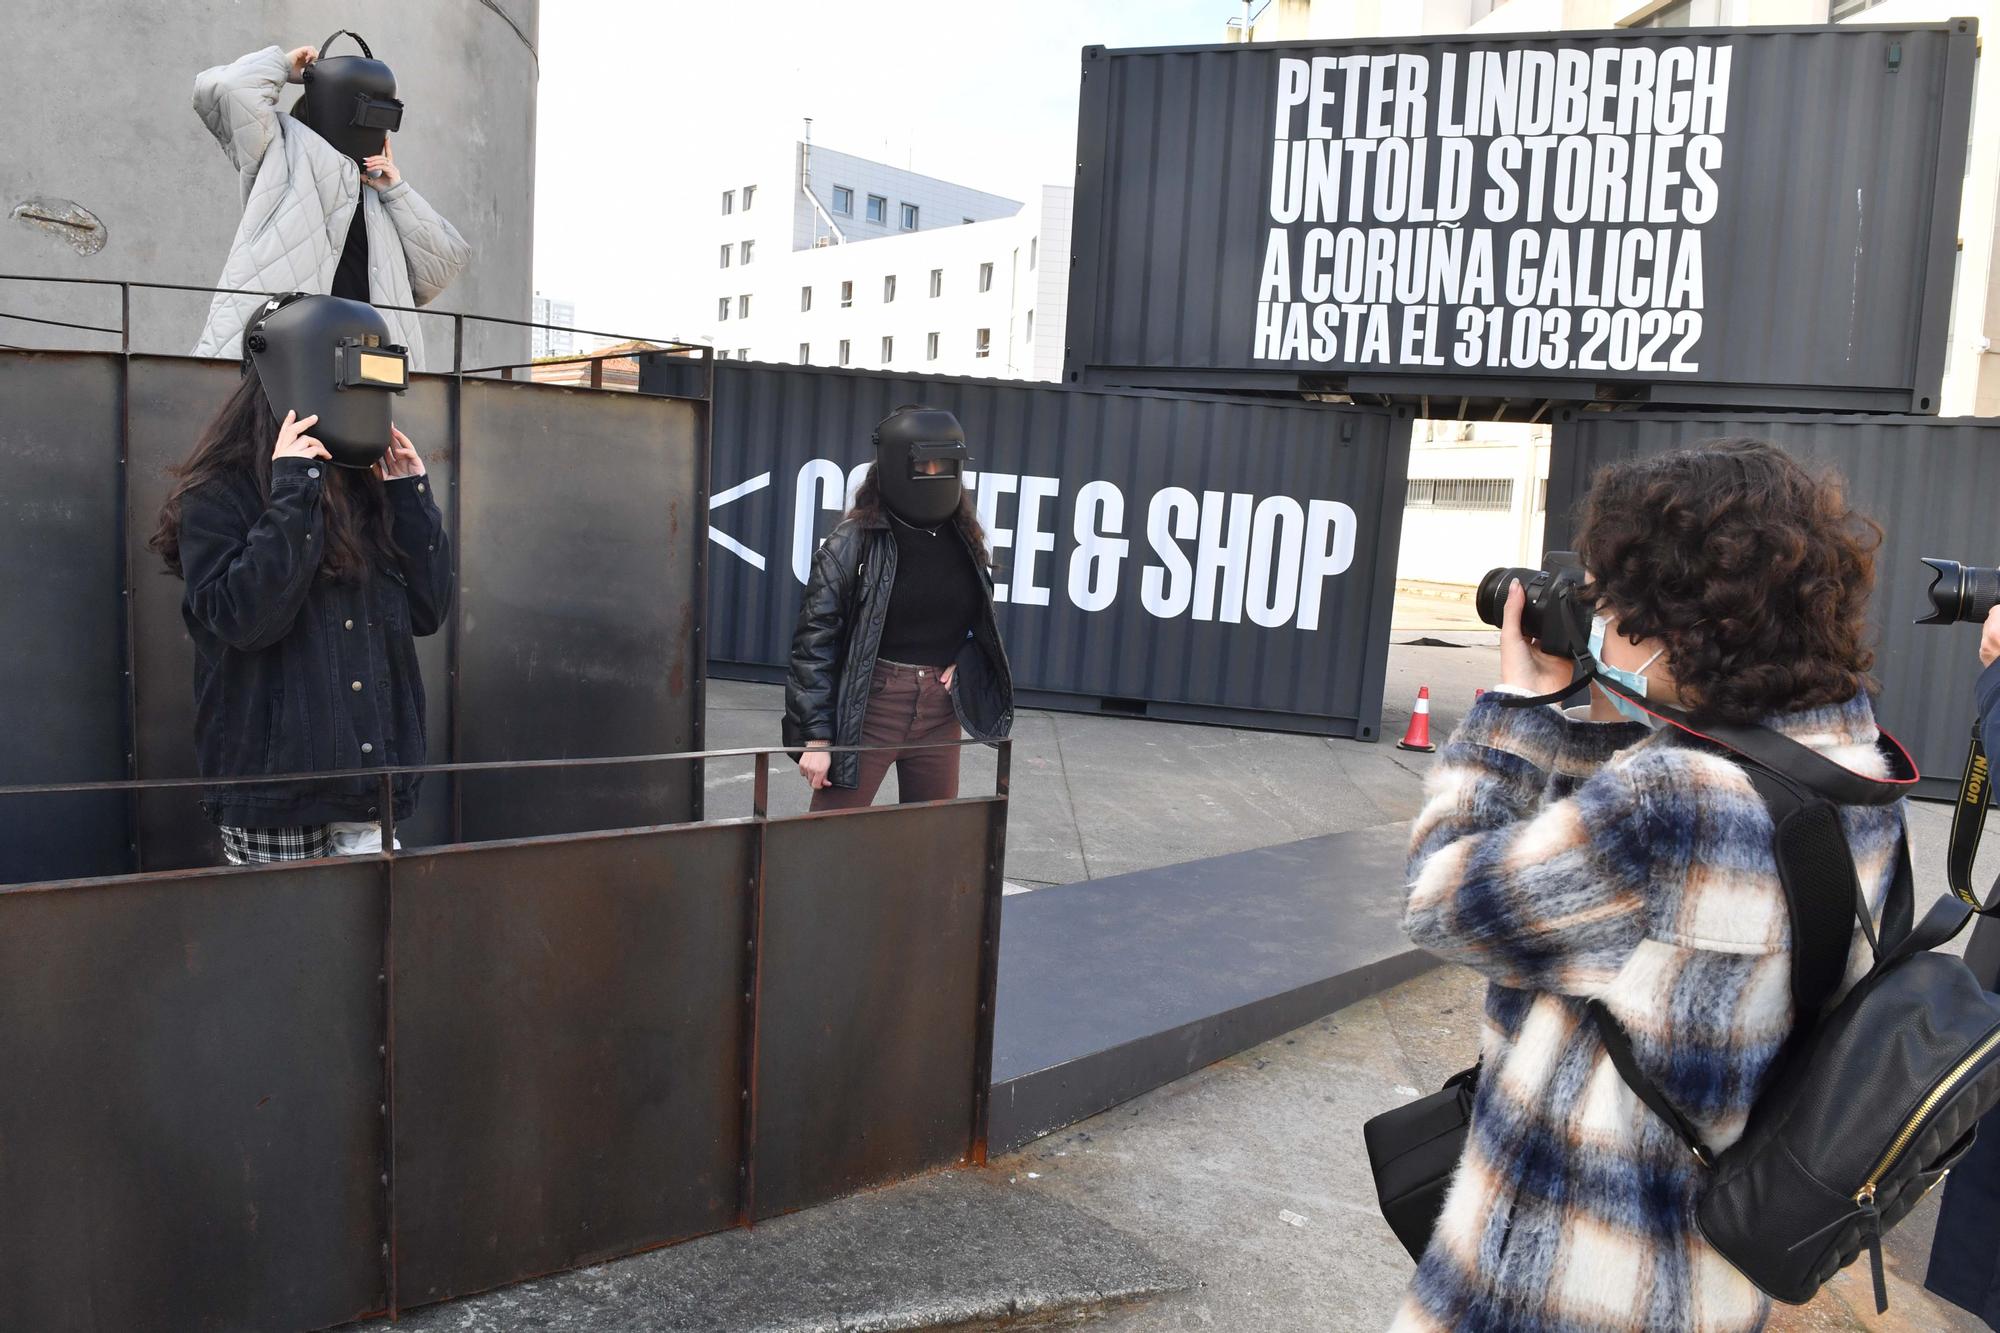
1870, 1105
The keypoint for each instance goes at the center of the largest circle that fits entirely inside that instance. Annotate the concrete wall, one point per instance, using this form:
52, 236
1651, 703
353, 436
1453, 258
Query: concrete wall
99, 114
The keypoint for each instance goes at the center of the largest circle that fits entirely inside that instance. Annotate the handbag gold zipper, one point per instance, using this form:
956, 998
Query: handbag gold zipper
1866, 1194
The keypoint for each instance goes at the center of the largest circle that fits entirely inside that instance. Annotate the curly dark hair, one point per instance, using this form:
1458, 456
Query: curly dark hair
1753, 571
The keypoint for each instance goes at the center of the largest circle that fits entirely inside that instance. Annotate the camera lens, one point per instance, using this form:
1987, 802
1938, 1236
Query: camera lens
1491, 599
1960, 592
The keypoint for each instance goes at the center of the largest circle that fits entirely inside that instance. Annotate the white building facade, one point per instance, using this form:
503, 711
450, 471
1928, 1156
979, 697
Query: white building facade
823, 258
559, 339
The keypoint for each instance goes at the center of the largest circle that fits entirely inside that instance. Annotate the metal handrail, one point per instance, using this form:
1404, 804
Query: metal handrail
126, 286
478, 766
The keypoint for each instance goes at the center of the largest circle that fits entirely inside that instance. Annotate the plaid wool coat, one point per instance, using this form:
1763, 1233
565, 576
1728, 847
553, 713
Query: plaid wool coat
1569, 860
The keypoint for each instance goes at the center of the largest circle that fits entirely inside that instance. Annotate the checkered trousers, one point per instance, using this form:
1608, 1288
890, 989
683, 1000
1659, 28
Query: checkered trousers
255, 846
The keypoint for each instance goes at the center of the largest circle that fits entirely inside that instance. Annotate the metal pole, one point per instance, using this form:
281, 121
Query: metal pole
989, 953
753, 948
386, 1048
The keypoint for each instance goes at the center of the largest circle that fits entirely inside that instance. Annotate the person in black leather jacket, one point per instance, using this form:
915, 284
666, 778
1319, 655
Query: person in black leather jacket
306, 583
897, 646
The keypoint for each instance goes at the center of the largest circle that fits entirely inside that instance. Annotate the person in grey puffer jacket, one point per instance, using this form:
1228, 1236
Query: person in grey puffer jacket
300, 195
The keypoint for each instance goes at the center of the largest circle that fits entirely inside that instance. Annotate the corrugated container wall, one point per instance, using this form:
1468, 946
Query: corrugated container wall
1172, 556
1729, 218
1934, 486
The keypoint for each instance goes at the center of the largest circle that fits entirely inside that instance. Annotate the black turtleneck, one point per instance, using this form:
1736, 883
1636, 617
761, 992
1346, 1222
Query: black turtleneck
936, 597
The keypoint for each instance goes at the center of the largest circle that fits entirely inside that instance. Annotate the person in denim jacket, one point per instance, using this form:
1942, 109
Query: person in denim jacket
307, 584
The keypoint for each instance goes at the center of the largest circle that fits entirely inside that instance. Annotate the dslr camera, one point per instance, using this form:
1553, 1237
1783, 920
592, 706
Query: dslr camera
1556, 615
1960, 593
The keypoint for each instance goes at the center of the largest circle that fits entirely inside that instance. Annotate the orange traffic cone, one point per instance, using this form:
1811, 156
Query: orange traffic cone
1418, 735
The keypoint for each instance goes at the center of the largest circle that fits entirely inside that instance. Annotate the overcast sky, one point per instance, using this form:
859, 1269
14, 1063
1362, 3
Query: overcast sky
637, 96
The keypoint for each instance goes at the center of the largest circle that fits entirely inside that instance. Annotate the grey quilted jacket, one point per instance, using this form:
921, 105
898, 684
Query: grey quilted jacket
299, 196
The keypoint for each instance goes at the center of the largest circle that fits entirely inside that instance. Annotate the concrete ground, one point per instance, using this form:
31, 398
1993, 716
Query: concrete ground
1249, 1175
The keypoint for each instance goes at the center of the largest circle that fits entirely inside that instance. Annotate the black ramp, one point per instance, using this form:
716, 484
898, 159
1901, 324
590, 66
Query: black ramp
868, 998
191, 1133
580, 527
568, 1052
62, 673
1112, 987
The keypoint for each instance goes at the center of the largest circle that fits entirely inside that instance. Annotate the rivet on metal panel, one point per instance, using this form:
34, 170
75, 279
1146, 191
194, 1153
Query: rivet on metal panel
385, 1180
381, 1050
385, 1249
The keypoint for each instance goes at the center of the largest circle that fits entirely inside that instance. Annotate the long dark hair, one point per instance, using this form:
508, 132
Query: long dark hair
239, 440
868, 504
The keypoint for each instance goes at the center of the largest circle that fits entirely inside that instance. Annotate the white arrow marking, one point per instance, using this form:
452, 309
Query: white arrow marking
750, 487
729, 543
721, 498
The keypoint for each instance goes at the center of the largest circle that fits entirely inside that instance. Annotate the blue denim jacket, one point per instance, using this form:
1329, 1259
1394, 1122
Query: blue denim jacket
296, 673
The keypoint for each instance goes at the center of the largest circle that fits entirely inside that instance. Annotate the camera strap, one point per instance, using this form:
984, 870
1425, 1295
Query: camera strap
1770, 749
1968, 824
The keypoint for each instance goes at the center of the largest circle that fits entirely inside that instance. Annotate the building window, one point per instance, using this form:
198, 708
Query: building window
937, 282
729, 201
888, 349
744, 257
888, 289
986, 277
722, 354
982, 343
1494, 493
846, 295
749, 193
1847, 9
1029, 336
930, 347
878, 208
1034, 245
967, 221
722, 308
1687, 14
742, 354
805, 353
845, 347
909, 217
843, 201
728, 250
743, 306
805, 298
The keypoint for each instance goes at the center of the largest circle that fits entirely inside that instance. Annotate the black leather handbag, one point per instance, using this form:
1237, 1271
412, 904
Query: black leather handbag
1413, 1151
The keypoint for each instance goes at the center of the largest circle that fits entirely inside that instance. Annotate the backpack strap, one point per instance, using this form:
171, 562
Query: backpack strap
345, 32
1824, 900
1618, 1045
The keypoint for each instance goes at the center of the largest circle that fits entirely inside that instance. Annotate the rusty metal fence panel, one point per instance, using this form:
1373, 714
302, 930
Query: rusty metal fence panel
280, 1097
582, 559
1934, 486
62, 672
191, 1118
568, 1031
874, 926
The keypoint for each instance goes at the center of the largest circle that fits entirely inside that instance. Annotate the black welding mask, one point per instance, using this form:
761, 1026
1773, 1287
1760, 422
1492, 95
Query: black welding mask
920, 460
331, 358
351, 101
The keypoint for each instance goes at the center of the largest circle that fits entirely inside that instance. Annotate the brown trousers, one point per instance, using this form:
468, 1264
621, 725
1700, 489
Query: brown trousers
906, 706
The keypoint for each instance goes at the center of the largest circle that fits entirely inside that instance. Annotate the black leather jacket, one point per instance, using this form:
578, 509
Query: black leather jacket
294, 673
840, 629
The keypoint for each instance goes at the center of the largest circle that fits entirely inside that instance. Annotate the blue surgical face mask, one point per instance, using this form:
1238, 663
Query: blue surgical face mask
1634, 681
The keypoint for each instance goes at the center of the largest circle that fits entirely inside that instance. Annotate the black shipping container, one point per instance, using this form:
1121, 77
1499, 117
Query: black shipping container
1934, 486
1731, 218
1177, 556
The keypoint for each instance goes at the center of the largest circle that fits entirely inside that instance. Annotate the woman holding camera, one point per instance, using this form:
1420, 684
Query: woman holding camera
1603, 857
